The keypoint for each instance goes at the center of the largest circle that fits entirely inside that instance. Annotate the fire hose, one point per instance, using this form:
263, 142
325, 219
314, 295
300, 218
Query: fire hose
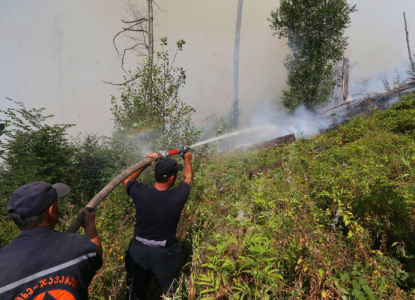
93, 204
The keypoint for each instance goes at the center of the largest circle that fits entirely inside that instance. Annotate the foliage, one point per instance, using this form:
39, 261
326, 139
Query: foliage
34, 151
150, 115
315, 32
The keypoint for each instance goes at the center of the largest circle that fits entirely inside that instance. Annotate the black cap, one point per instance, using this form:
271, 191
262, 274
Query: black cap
167, 167
34, 198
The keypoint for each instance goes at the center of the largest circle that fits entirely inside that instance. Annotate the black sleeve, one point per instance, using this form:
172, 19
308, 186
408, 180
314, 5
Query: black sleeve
182, 192
98, 262
133, 188
95, 257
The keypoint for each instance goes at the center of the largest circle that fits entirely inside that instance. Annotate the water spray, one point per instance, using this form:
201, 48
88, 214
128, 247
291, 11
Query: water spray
265, 128
181, 150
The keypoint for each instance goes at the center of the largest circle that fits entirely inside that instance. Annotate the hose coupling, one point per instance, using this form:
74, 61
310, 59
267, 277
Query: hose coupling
164, 154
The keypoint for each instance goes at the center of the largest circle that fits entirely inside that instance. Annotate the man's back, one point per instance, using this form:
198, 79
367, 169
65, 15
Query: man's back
157, 212
42, 262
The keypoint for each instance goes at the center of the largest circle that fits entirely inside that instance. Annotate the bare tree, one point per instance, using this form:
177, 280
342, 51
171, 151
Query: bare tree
407, 40
139, 28
235, 105
345, 78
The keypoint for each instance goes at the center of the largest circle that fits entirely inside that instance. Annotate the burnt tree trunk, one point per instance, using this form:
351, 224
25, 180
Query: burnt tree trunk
407, 40
150, 29
235, 105
345, 78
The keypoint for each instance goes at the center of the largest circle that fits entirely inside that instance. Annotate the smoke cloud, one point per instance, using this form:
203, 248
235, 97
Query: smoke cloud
30, 68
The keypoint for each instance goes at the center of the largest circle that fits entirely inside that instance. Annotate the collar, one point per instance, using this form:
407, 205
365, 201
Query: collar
36, 231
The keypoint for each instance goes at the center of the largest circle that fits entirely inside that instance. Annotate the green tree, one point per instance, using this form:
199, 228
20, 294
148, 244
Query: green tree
315, 32
95, 161
151, 116
33, 151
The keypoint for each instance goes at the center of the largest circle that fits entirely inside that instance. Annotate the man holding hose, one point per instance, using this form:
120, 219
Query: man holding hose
154, 249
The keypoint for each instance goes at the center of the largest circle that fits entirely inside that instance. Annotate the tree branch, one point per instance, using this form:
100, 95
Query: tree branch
122, 31
123, 55
141, 20
124, 83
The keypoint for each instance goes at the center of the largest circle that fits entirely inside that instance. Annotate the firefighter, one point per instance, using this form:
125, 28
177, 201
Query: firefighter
41, 263
154, 249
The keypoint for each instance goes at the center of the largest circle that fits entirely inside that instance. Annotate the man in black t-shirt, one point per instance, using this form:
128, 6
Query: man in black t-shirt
154, 249
42, 264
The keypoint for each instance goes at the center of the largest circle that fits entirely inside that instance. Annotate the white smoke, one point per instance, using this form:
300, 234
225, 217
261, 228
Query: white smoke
302, 122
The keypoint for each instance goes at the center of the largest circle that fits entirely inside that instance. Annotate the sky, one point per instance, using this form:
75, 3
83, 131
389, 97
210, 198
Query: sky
30, 61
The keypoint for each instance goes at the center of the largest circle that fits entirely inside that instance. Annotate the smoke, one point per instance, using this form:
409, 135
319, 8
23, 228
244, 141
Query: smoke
302, 123
269, 122
29, 74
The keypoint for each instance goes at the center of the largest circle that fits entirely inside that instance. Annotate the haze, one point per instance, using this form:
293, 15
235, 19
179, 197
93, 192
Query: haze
29, 59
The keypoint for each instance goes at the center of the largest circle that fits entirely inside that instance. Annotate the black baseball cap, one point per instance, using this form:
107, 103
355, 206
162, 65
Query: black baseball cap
34, 198
167, 167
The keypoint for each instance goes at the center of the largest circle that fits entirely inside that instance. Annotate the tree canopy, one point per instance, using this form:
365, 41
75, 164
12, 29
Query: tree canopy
315, 33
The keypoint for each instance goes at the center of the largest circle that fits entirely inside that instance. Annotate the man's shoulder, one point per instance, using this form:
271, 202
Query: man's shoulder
134, 188
71, 242
135, 184
183, 185
182, 190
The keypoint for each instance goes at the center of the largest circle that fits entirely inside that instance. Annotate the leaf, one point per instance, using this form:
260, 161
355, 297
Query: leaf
369, 292
356, 285
362, 281
346, 220
394, 244
279, 276
321, 273
358, 294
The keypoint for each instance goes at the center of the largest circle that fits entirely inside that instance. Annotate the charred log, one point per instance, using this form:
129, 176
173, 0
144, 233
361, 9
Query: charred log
274, 142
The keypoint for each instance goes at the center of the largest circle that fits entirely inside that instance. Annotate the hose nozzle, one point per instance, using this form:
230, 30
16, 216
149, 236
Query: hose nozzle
181, 150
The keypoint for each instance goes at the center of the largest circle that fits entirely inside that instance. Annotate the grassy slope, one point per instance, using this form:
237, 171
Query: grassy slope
284, 244
276, 236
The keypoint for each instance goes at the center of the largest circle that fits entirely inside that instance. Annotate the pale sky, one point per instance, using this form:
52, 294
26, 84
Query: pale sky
29, 64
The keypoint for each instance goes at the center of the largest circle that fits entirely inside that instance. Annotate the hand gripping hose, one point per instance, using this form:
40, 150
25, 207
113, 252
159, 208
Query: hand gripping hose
92, 205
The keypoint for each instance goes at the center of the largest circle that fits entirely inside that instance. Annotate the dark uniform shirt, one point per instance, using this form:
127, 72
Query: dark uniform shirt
42, 264
157, 212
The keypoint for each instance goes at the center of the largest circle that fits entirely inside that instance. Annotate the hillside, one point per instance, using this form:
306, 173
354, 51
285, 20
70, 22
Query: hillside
337, 223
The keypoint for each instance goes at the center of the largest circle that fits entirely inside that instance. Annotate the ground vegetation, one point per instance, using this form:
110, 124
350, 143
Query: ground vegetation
331, 224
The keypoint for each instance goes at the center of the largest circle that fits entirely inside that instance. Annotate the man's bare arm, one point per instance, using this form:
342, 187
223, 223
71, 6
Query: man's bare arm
188, 171
90, 229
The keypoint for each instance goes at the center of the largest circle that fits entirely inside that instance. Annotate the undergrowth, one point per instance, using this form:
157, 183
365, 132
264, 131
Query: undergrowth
331, 224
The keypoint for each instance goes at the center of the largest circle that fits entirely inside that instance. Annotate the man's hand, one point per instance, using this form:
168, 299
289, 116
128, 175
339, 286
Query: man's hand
90, 229
187, 156
89, 219
152, 155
